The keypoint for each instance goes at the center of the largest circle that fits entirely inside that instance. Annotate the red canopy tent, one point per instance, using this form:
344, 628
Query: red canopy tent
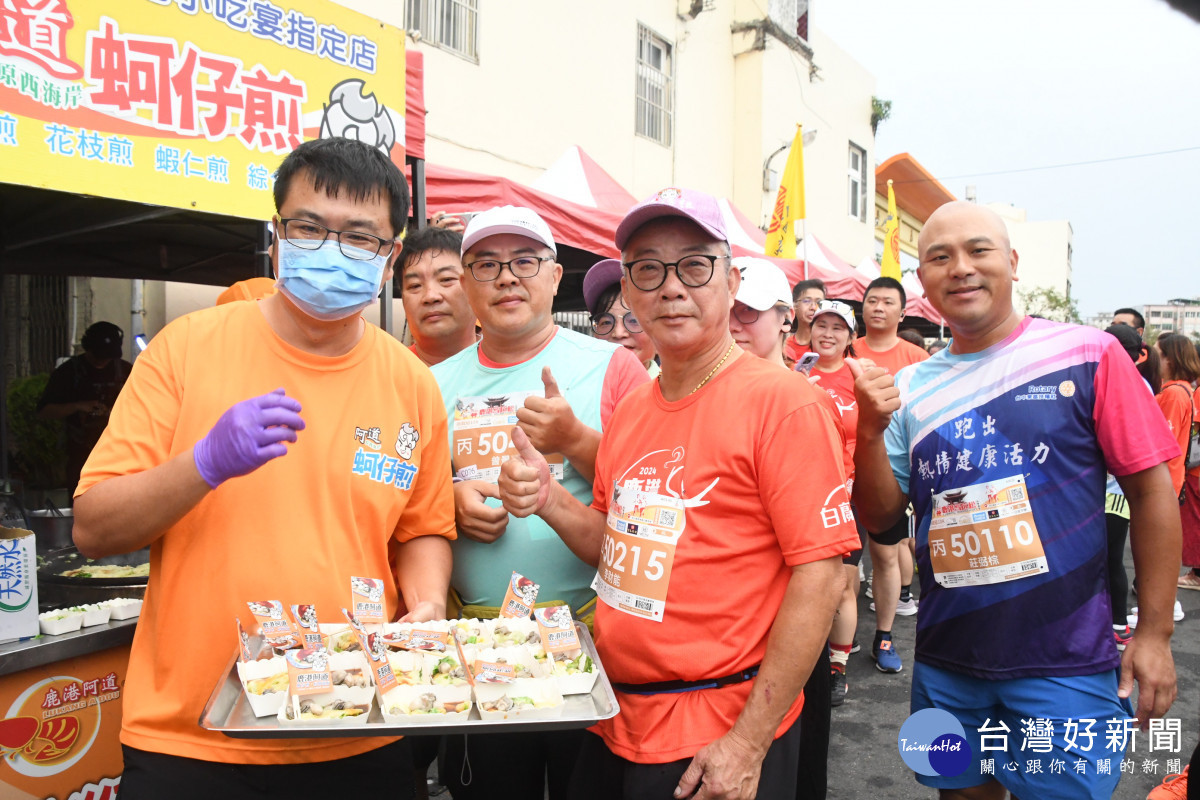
572, 224
577, 177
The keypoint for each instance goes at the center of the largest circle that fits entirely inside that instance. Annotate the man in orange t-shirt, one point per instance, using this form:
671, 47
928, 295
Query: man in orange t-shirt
718, 566
891, 558
273, 450
806, 296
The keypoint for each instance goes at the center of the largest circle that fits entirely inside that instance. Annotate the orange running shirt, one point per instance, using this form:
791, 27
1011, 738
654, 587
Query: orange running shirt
1177, 408
839, 386
794, 350
748, 515
893, 359
294, 530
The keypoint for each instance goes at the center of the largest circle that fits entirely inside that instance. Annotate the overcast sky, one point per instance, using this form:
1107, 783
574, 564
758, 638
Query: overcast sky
997, 87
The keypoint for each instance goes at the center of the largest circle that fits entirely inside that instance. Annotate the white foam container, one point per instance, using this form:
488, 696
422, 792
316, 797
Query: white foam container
465, 628
403, 696
358, 697
263, 705
579, 683
95, 614
60, 621
408, 666
508, 655
523, 626
124, 607
431, 665
544, 693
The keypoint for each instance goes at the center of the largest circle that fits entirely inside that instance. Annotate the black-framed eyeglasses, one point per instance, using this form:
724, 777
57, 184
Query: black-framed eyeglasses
603, 325
745, 314
696, 270
522, 267
309, 235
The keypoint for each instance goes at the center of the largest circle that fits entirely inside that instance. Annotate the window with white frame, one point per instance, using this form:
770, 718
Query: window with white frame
655, 93
857, 172
449, 24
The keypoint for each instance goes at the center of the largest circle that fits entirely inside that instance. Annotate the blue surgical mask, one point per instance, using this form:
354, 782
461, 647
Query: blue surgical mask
326, 284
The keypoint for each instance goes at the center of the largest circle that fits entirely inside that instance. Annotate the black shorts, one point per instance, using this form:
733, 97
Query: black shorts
602, 775
893, 535
854, 557
384, 772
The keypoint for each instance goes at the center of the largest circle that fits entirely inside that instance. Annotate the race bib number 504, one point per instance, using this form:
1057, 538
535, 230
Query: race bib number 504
483, 436
985, 534
640, 537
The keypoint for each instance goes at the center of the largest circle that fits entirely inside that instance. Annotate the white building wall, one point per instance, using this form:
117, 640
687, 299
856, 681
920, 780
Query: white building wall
553, 74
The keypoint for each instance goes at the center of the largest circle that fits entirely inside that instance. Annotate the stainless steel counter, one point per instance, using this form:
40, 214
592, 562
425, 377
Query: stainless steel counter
17, 656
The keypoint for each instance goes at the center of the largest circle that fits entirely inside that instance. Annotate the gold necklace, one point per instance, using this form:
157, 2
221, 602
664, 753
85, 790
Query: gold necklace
707, 377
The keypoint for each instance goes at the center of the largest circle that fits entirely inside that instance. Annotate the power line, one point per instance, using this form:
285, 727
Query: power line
1056, 166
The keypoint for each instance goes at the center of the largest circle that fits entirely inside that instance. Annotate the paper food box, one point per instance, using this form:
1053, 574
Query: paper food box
426, 705
18, 585
340, 706
265, 683
524, 698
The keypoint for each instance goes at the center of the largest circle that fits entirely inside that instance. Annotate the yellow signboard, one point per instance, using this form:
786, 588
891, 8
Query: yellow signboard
188, 103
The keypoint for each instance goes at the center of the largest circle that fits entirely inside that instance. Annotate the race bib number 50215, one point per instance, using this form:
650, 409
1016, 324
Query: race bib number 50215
985, 534
640, 537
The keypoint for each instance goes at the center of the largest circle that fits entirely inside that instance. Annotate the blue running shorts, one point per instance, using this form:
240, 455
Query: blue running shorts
1048, 767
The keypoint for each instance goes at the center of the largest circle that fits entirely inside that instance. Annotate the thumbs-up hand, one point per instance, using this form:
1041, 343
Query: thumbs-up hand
877, 395
524, 484
548, 421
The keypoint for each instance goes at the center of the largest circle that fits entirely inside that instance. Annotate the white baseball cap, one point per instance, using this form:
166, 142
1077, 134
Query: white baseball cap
763, 284
507, 219
837, 307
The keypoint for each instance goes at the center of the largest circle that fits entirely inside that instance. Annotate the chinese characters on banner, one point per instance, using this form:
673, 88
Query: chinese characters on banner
188, 103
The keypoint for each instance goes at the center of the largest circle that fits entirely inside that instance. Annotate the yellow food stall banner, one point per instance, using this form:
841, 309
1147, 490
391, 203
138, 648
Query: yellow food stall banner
188, 103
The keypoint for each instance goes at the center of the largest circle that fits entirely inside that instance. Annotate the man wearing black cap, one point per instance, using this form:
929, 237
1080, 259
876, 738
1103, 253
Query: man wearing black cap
82, 391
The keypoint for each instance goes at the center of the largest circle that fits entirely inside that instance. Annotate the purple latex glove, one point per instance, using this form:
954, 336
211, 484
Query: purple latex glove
248, 435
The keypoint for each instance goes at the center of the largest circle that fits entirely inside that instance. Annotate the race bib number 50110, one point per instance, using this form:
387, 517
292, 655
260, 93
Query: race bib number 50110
985, 534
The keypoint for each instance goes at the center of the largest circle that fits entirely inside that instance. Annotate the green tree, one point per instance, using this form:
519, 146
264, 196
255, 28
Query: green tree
880, 111
1049, 303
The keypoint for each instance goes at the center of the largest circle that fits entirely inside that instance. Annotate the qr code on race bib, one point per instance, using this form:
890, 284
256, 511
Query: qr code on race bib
666, 518
644, 605
1016, 494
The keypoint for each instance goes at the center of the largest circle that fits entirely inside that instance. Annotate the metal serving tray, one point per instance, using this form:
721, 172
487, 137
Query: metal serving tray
228, 711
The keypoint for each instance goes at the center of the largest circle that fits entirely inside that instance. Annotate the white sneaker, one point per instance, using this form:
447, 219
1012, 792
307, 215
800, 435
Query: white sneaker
906, 608
870, 594
1177, 615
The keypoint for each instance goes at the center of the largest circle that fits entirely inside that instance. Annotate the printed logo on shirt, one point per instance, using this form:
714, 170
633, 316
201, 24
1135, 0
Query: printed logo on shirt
1066, 388
1048, 392
406, 441
368, 436
836, 508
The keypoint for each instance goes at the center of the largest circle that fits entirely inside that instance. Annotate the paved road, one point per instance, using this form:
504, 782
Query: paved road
864, 761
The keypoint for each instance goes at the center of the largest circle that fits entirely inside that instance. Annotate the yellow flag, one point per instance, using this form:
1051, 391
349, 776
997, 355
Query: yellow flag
890, 266
789, 204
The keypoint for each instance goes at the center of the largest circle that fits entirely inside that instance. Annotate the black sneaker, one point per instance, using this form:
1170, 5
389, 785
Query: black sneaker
837, 679
855, 646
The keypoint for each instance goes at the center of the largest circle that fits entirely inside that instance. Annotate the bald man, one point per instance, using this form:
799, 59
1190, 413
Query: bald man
1000, 441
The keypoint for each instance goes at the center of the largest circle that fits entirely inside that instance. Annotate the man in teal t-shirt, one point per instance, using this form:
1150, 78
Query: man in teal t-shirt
560, 387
